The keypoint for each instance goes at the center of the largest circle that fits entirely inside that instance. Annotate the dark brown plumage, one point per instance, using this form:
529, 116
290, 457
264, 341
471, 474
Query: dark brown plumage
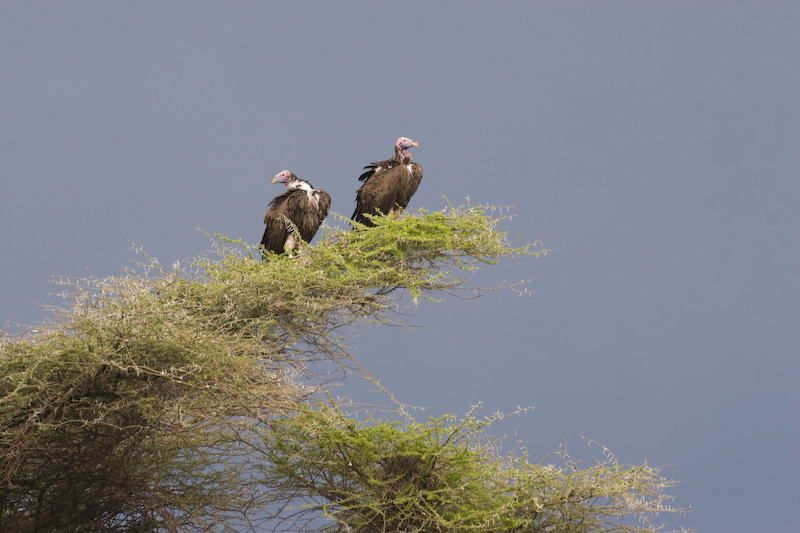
303, 205
388, 185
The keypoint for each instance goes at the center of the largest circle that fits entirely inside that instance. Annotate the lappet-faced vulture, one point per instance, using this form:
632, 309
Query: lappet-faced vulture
303, 205
388, 185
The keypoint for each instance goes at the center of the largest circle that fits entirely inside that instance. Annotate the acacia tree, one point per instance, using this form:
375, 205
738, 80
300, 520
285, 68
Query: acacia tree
185, 399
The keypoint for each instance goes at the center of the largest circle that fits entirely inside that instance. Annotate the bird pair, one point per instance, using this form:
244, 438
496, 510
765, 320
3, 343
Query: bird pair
387, 189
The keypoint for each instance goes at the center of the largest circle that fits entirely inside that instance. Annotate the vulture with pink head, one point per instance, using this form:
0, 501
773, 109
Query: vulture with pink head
303, 205
388, 185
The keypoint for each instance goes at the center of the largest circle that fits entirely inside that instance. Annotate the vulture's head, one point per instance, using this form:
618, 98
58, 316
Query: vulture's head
403, 144
284, 177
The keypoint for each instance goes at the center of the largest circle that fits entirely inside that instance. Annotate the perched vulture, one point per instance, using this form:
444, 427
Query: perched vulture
301, 203
388, 185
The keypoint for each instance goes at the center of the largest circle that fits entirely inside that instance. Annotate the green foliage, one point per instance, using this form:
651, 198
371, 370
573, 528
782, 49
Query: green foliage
179, 400
444, 475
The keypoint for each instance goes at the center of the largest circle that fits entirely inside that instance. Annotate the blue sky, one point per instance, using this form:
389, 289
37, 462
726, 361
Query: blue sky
653, 146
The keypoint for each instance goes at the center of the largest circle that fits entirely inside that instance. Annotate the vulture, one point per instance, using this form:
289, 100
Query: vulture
388, 185
303, 205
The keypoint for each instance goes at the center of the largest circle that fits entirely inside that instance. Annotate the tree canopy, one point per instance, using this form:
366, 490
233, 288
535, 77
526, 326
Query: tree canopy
189, 399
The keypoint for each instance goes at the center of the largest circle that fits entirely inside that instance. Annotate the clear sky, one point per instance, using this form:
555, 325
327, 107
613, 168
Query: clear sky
655, 146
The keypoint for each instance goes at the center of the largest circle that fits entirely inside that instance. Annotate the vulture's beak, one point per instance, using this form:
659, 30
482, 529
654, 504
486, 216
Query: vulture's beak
274, 180
414, 143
